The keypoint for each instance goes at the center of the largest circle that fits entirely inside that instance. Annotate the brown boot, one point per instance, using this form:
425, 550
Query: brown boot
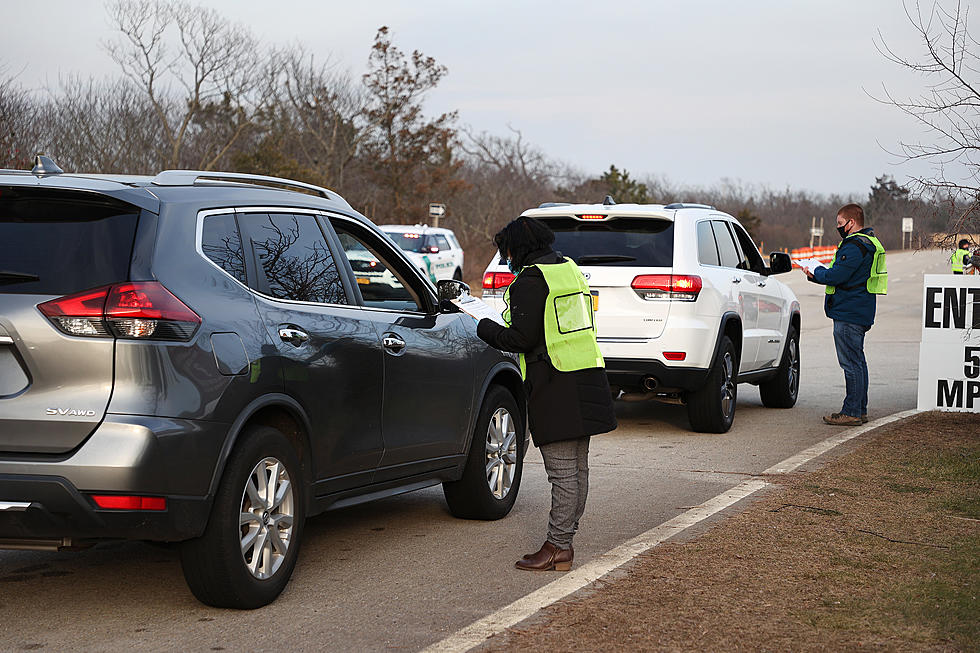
548, 558
840, 419
528, 556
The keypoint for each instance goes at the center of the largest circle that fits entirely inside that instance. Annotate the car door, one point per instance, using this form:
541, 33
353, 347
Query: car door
772, 304
331, 356
445, 265
742, 289
428, 359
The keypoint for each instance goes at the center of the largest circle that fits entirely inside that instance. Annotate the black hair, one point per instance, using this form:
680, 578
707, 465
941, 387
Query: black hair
963, 242
521, 237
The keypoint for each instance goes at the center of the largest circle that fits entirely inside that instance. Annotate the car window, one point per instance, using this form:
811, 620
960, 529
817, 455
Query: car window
707, 249
295, 262
61, 242
727, 251
221, 243
409, 241
380, 283
616, 242
442, 243
751, 259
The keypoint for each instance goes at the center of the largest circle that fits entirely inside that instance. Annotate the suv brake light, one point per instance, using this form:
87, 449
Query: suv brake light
497, 280
671, 287
141, 310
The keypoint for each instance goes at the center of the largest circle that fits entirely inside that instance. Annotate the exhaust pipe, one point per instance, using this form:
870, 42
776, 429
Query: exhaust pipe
650, 383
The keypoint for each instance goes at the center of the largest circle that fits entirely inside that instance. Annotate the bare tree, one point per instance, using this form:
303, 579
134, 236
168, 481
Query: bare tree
200, 73
24, 124
948, 108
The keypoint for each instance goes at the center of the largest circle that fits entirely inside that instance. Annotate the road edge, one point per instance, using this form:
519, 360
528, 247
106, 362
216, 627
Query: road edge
482, 629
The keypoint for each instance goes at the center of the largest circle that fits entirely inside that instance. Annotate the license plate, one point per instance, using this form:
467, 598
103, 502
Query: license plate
363, 281
595, 301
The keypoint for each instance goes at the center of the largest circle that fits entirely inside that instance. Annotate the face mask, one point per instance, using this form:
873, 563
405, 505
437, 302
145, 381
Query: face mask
842, 231
513, 268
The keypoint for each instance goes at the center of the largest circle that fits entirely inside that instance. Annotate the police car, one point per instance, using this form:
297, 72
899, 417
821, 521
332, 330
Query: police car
433, 249
685, 306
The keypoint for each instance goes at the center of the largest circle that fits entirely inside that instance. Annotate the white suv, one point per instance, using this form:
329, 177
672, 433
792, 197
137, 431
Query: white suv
685, 306
433, 249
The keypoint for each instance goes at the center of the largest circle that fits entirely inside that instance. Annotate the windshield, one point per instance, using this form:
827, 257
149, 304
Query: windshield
625, 242
408, 241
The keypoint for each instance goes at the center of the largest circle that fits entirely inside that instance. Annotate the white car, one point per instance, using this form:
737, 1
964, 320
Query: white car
685, 306
433, 249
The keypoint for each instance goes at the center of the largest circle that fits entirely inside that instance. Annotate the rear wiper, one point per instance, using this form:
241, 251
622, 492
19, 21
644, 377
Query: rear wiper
6, 276
604, 258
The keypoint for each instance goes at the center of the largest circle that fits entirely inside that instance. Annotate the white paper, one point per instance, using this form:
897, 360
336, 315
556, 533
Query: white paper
478, 309
810, 264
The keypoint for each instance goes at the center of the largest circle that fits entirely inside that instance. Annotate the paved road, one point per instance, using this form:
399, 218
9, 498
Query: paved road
402, 574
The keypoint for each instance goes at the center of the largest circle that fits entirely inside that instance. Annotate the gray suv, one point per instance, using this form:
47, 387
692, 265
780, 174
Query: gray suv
210, 358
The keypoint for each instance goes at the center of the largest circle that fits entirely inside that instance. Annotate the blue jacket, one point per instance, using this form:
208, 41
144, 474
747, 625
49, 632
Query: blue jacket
851, 301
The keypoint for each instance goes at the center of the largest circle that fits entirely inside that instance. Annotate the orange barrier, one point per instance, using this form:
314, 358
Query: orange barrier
823, 254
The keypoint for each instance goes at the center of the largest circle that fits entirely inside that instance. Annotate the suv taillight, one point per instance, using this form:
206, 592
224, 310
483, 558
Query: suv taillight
139, 310
676, 287
493, 282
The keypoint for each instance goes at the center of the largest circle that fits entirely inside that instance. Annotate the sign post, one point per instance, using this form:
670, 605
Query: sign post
436, 211
949, 356
906, 229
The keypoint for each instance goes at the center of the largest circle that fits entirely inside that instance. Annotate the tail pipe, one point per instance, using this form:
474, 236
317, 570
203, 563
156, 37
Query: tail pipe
650, 383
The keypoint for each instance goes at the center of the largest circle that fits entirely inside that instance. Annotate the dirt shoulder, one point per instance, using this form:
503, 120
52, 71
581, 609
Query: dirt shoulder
877, 549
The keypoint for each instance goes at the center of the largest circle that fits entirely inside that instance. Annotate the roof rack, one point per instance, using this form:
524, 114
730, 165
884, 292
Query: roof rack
684, 205
201, 177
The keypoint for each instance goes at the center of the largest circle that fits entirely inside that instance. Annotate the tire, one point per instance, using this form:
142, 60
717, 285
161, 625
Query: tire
782, 390
458, 275
217, 569
711, 409
498, 437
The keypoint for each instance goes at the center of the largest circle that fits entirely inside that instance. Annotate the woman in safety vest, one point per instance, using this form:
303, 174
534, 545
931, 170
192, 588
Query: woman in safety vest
961, 257
550, 324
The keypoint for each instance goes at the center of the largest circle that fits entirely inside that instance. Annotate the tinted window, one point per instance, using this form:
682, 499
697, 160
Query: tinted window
380, 285
61, 242
754, 260
707, 250
294, 258
617, 242
442, 243
726, 246
221, 243
410, 242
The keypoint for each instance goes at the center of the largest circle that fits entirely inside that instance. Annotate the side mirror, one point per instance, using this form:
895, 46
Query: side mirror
780, 262
451, 289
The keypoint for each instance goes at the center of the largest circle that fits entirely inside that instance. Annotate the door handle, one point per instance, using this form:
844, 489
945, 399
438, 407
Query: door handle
736, 279
393, 343
292, 335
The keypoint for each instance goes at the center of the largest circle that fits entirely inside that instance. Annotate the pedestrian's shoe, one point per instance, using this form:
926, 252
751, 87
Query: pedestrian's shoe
840, 419
548, 558
864, 418
527, 556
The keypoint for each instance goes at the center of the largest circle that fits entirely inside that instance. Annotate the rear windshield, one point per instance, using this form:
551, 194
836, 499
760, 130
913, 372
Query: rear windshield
60, 242
408, 241
625, 242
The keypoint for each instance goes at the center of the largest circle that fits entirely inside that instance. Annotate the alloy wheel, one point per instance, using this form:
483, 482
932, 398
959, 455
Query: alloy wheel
501, 449
728, 385
266, 522
794, 368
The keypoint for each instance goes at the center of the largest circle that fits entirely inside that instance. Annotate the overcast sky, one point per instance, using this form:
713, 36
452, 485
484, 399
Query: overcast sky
769, 92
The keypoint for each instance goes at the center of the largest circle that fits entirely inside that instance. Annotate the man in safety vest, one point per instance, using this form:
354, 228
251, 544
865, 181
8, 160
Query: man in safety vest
961, 257
550, 325
854, 279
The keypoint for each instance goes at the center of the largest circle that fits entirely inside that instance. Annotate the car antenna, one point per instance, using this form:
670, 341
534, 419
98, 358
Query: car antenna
45, 165
609, 201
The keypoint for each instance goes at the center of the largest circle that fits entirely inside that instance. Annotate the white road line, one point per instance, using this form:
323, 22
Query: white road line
479, 631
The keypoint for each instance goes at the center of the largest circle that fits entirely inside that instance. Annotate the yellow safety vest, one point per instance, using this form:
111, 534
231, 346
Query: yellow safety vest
878, 281
569, 327
957, 259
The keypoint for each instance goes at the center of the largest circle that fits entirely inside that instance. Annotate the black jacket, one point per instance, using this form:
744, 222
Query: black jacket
561, 405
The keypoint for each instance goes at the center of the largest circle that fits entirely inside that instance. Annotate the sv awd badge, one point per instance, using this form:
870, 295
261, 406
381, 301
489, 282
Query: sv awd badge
70, 412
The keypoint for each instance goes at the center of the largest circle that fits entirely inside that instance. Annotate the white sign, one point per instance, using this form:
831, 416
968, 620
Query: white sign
906, 225
816, 231
949, 356
437, 210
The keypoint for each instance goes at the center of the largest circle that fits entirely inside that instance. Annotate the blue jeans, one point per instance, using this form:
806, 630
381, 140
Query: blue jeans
849, 340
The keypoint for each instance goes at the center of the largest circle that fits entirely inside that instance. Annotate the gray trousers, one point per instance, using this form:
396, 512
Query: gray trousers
567, 464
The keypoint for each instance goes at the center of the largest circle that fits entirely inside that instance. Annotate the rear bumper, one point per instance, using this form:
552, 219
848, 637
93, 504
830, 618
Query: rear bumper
628, 374
47, 496
44, 508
